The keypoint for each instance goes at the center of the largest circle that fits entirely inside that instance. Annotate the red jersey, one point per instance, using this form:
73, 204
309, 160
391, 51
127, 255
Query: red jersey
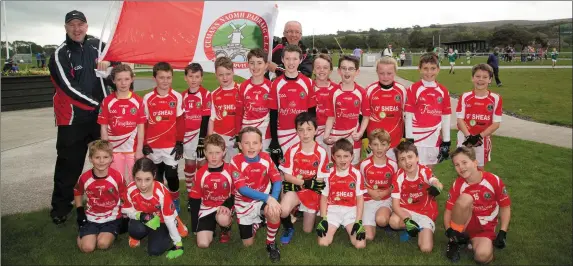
346, 106
122, 117
427, 101
387, 110
223, 110
479, 113
258, 175
196, 105
160, 203
291, 97
342, 187
322, 95
413, 194
162, 113
103, 195
489, 195
213, 188
306, 166
253, 103
377, 176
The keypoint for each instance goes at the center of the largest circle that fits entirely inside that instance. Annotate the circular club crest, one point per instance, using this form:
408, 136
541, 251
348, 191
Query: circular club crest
356, 102
198, 104
397, 98
487, 195
388, 175
472, 122
440, 99
490, 107
352, 185
234, 34
382, 115
133, 110
236, 174
315, 164
302, 95
266, 96
172, 104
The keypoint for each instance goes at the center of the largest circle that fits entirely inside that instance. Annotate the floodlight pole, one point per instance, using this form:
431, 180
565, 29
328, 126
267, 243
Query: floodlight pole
5, 30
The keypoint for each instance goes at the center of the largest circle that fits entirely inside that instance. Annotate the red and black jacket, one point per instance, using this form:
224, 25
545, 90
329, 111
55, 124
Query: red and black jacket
78, 91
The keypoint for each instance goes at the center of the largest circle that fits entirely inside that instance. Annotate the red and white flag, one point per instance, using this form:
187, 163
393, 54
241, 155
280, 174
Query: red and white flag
183, 32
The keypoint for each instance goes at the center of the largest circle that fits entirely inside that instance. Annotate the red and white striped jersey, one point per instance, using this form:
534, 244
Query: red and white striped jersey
122, 117
377, 176
322, 99
489, 194
224, 110
196, 105
427, 101
342, 187
213, 188
159, 204
253, 102
258, 175
291, 97
162, 113
387, 110
413, 194
103, 195
346, 106
479, 113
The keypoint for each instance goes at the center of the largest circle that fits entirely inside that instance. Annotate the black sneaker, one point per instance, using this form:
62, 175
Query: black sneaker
57, 220
453, 251
274, 252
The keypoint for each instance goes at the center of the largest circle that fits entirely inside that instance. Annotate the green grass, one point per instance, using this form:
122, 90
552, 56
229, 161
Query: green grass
179, 84
542, 94
538, 178
483, 59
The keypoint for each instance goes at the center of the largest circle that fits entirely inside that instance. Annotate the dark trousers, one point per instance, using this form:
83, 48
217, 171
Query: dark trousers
496, 75
159, 240
72, 146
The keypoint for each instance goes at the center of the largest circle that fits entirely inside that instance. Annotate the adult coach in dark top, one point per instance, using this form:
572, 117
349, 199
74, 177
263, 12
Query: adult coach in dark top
493, 61
292, 35
77, 97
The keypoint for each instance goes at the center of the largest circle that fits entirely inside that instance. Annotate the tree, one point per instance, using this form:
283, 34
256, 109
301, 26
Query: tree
49, 49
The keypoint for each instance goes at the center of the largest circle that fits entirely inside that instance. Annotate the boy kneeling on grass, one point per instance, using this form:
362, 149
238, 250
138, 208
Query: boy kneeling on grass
99, 223
414, 193
474, 202
342, 201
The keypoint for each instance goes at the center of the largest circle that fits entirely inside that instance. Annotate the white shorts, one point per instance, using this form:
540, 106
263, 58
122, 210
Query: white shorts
554, 60
341, 215
163, 155
422, 220
230, 148
303, 208
262, 125
452, 63
250, 213
428, 155
389, 154
348, 135
370, 209
190, 142
483, 152
287, 138
320, 140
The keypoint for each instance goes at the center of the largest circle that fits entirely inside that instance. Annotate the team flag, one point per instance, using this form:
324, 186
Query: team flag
183, 32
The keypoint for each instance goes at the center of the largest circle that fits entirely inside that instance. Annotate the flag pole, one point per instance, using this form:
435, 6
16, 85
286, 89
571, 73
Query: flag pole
5, 30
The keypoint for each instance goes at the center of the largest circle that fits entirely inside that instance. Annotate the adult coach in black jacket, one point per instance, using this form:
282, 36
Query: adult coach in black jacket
77, 97
292, 35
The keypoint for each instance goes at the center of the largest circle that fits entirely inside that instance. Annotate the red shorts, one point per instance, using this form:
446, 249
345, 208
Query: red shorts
476, 229
309, 199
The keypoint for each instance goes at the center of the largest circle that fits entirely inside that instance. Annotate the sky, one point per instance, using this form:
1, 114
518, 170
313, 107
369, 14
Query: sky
43, 21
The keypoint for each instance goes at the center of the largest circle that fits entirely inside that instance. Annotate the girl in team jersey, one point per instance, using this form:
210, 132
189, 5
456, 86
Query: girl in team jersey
322, 87
152, 213
122, 120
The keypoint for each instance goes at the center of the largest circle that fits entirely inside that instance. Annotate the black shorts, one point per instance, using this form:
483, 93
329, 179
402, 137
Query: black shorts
246, 230
91, 228
207, 223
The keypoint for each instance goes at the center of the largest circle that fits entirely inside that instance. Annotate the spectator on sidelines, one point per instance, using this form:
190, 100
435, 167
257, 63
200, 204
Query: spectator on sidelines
38, 58
357, 52
292, 35
387, 51
77, 98
493, 61
43, 59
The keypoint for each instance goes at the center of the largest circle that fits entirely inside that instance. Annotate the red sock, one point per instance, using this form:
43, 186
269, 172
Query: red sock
189, 177
272, 231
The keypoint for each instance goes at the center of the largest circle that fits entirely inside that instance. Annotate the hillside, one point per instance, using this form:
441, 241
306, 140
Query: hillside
496, 23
